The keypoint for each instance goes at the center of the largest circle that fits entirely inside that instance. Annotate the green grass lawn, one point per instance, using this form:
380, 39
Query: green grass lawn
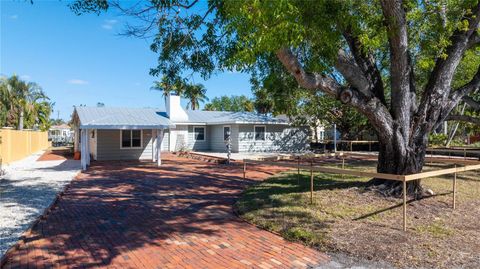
347, 217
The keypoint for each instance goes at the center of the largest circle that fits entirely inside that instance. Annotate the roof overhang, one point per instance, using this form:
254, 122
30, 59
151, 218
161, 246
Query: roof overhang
249, 122
125, 127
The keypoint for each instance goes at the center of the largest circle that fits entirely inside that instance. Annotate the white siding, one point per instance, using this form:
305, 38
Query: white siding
216, 138
198, 145
278, 138
166, 139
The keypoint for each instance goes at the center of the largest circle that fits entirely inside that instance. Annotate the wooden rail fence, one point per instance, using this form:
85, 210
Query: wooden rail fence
277, 161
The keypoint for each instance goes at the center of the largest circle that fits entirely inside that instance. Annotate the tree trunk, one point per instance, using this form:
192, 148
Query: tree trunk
397, 158
20, 120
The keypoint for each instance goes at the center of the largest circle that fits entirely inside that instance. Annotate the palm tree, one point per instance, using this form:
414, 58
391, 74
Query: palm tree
195, 93
168, 86
4, 101
21, 98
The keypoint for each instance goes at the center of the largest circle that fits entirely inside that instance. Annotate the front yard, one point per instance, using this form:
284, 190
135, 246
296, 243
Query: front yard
346, 218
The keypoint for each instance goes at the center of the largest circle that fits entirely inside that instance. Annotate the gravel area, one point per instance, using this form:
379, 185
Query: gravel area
27, 188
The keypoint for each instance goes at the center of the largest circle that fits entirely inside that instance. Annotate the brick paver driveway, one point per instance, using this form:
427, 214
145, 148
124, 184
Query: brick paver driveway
136, 215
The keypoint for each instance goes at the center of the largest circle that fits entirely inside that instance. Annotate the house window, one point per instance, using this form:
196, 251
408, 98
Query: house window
226, 132
131, 138
199, 133
259, 132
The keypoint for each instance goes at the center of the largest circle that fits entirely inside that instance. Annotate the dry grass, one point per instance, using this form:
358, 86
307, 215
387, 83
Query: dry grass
347, 218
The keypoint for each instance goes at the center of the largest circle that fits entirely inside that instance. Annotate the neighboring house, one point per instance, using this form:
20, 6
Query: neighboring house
130, 134
60, 134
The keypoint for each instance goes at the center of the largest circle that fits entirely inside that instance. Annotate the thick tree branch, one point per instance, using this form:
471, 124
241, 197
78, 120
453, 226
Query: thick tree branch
353, 73
437, 89
465, 90
471, 102
371, 107
400, 71
464, 118
474, 40
310, 81
456, 97
366, 63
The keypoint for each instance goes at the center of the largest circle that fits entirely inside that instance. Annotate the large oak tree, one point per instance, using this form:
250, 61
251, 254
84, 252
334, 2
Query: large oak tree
394, 61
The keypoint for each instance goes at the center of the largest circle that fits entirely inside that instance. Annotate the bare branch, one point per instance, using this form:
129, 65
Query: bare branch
471, 102
464, 118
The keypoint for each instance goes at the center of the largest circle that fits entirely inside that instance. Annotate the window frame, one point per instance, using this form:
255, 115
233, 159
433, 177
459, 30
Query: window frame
131, 138
229, 128
264, 133
204, 133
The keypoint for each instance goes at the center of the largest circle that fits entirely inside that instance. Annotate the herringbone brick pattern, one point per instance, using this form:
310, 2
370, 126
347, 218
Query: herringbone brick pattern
136, 215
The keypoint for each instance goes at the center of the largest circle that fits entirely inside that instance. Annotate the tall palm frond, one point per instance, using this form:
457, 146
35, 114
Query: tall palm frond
195, 93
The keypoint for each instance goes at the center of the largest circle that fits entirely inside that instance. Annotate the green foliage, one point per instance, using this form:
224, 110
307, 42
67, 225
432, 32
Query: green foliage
169, 85
437, 139
205, 37
18, 98
230, 103
195, 93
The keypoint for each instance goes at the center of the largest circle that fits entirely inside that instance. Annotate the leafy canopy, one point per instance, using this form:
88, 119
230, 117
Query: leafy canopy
236, 103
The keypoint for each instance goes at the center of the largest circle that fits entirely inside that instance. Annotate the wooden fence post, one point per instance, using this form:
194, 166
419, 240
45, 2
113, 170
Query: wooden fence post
454, 188
404, 205
311, 182
343, 165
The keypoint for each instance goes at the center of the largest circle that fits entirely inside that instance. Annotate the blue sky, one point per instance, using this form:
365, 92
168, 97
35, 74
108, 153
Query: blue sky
83, 60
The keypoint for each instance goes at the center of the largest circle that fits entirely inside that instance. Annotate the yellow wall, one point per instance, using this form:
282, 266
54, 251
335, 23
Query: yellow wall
15, 145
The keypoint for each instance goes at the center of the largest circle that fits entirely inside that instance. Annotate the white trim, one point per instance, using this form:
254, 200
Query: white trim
190, 123
131, 136
264, 132
158, 151
154, 145
125, 127
229, 127
204, 133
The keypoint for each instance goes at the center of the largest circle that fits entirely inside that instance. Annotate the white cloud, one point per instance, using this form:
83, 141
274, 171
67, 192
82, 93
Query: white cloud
77, 81
108, 24
14, 17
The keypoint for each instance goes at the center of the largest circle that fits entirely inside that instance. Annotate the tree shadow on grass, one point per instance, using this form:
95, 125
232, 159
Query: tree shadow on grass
399, 205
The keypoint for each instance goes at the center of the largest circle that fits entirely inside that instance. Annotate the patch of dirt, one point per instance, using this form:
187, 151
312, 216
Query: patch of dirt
57, 154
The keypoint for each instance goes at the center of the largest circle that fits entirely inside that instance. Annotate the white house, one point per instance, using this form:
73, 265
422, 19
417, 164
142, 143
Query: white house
60, 134
142, 133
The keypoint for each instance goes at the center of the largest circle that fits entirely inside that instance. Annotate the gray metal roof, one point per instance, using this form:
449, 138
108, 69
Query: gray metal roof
121, 118
228, 117
149, 118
